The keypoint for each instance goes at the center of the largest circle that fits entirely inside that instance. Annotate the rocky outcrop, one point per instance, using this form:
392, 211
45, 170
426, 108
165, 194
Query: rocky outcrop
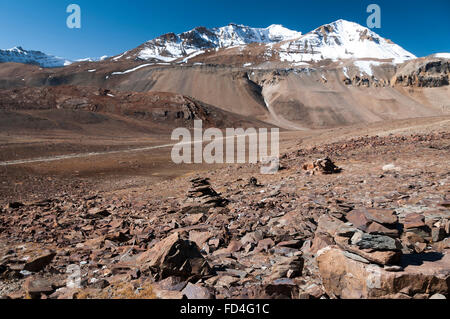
347, 278
424, 72
363, 257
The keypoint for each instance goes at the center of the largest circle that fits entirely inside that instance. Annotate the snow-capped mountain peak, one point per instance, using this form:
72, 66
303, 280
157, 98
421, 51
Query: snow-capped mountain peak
277, 33
20, 55
342, 40
170, 47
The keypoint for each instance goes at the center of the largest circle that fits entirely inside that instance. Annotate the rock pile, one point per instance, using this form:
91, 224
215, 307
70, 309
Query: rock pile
203, 194
321, 166
362, 258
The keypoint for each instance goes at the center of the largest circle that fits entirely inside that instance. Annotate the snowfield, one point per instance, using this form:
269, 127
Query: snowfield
342, 40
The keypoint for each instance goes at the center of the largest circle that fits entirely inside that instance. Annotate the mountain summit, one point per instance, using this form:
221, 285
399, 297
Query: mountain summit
343, 40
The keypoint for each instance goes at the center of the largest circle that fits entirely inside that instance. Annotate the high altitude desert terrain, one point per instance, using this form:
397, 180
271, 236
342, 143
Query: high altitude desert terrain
92, 205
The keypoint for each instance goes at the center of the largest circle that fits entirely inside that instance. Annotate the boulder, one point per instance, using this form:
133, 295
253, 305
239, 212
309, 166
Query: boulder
36, 264
347, 278
382, 250
36, 287
381, 216
192, 291
174, 256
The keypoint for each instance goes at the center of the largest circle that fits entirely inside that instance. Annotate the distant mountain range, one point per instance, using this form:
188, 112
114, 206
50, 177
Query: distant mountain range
20, 55
338, 40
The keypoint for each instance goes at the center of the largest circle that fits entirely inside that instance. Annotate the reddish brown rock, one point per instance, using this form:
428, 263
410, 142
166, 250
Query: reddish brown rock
349, 279
174, 256
200, 238
264, 245
36, 287
194, 219
378, 229
321, 241
358, 219
381, 216
413, 221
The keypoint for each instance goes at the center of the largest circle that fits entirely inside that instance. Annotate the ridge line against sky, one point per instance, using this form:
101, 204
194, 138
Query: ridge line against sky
110, 27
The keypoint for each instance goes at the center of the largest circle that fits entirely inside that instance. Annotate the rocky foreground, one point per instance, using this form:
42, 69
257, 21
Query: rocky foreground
363, 218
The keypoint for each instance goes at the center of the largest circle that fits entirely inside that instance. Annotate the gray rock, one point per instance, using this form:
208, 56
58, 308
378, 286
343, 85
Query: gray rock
438, 234
356, 257
378, 242
192, 291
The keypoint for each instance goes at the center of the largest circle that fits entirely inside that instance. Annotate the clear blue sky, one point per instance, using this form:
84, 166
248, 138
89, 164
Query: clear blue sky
110, 27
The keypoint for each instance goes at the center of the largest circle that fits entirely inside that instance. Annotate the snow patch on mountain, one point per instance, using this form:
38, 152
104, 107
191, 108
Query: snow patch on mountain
102, 58
132, 70
366, 66
442, 55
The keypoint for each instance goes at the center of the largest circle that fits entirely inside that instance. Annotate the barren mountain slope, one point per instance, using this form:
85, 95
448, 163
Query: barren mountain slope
89, 110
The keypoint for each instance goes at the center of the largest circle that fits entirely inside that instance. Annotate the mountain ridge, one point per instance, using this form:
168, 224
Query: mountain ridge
337, 40
20, 55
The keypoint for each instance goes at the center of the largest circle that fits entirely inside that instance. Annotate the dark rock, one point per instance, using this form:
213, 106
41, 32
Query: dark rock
174, 256
38, 263
100, 284
377, 242
15, 205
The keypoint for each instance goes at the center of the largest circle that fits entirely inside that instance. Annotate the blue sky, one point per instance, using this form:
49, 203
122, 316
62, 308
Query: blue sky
110, 27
